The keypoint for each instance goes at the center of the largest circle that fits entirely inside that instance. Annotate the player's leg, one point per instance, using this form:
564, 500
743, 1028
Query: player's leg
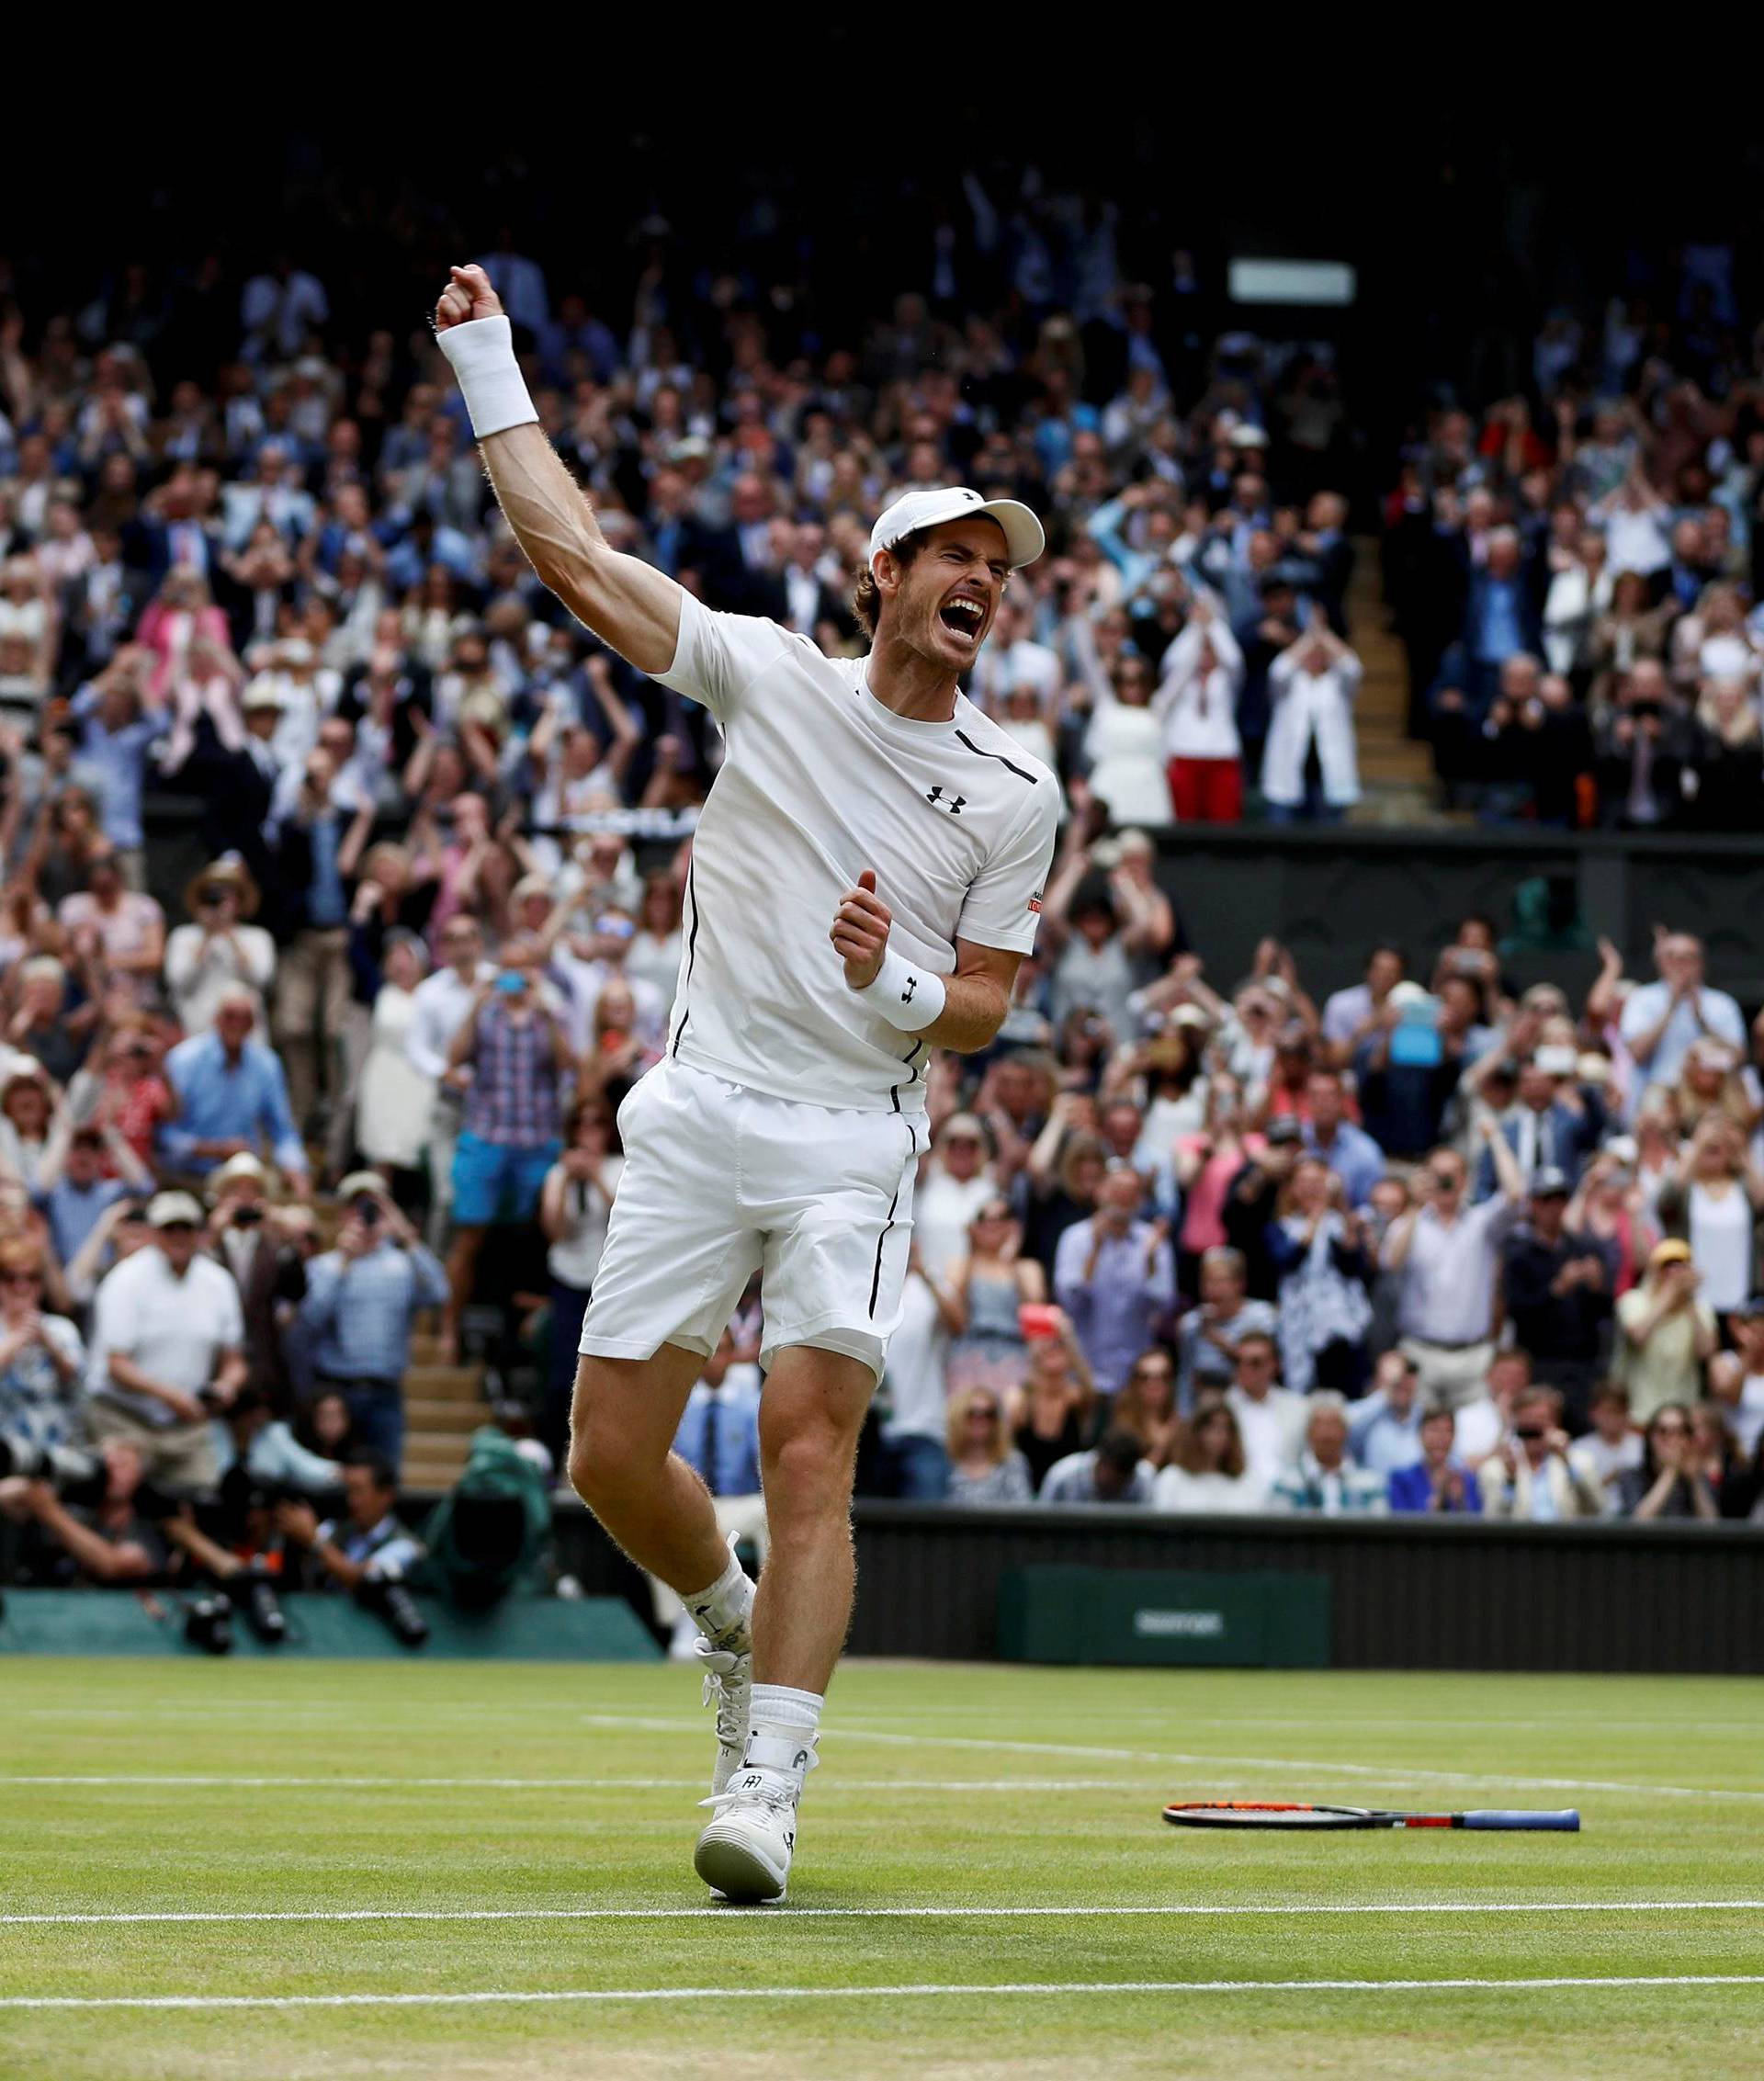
623, 1466
809, 1421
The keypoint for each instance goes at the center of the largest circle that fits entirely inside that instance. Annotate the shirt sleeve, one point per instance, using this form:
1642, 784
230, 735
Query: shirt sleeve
1002, 907
718, 656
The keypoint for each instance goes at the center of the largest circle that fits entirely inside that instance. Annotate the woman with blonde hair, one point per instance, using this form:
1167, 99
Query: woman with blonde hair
1713, 1201
1710, 1082
985, 1468
989, 1288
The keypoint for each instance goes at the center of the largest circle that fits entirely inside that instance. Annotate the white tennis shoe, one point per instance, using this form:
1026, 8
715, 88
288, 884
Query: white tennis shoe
728, 1685
745, 1854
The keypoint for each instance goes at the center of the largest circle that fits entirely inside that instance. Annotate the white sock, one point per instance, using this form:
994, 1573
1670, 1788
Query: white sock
784, 1728
722, 1610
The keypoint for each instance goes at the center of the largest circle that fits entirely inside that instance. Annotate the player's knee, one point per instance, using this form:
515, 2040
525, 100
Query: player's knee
809, 1474
598, 1465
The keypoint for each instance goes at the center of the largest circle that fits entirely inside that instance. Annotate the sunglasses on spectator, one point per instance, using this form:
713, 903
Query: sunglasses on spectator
1531, 1434
20, 1279
1672, 1429
987, 1412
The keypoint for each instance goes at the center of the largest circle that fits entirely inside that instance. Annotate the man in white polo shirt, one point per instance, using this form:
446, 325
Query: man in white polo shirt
167, 1348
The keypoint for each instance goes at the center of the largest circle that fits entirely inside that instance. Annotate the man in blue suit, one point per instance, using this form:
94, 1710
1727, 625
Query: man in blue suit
1544, 1130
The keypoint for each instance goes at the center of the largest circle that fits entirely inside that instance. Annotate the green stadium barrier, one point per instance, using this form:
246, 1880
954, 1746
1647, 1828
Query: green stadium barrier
520, 1629
1155, 1618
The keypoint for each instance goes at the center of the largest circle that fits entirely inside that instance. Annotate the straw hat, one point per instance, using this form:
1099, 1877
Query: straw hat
235, 875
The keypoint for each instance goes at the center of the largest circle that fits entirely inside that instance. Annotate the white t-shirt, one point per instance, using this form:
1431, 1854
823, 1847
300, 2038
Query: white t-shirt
175, 1330
1273, 1430
1720, 1241
1745, 1418
820, 781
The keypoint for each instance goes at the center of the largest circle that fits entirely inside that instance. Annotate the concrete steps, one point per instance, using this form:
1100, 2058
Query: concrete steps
1396, 772
443, 1406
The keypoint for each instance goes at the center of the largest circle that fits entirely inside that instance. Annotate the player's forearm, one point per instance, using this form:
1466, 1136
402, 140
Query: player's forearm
974, 1010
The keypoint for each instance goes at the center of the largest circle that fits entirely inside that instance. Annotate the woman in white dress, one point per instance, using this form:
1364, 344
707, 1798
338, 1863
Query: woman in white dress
394, 1099
1125, 746
654, 956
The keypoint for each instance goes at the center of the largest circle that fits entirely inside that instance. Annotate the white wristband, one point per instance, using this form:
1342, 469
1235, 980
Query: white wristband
905, 994
482, 353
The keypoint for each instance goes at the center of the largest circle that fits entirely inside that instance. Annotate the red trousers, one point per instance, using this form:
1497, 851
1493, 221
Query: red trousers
1206, 791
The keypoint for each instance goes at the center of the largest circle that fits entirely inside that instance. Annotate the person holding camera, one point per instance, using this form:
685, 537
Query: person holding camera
247, 1235
361, 1300
219, 948
168, 1349
366, 1551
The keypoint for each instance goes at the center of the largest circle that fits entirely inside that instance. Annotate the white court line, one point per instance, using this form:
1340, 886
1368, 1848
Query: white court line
889, 1913
870, 1994
393, 1783
1393, 1773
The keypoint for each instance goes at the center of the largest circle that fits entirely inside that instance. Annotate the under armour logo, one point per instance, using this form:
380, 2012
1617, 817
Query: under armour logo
912, 984
957, 805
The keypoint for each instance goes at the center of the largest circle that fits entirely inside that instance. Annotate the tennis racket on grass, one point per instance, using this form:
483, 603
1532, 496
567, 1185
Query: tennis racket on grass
1272, 1814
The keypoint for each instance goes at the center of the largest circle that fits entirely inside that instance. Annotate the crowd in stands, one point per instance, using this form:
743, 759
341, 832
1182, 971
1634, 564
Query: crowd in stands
1575, 572
1193, 1242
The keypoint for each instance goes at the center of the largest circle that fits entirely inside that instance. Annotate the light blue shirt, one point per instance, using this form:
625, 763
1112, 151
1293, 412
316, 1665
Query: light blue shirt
1711, 1011
1113, 1309
221, 1101
119, 760
359, 1310
720, 1432
1381, 1443
1354, 1158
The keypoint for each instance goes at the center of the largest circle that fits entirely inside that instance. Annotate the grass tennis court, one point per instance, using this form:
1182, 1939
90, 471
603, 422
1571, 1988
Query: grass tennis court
984, 1885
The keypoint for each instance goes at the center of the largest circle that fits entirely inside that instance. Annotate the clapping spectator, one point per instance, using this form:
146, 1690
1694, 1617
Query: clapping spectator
1197, 703
1207, 1337
1385, 1428
1557, 1288
1714, 1199
1532, 1477
989, 1287
575, 1205
1669, 1483
1612, 1448
1146, 1405
41, 1359
1439, 1481
1448, 1255
1661, 1021
1054, 1404
1115, 1275
233, 1097
1270, 1419
1311, 766
219, 948
1319, 1247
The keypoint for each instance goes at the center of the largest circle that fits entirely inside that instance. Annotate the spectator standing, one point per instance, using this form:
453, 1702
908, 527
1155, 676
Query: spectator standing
1662, 1020
1196, 703
441, 1005
231, 1097
1439, 1481
361, 1302
219, 949
1385, 1430
247, 1235
957, 1181
1319, 1251
1348, 1150
575, 1205
991, 1287
1351, 1016
1270, 1419
1713, 1199
1324, 1480
1558, 1287
1448, 1255
1310, 767
1115, 1276
1207, 1337
316, 850
1053, 1404
1666, 1333
519, 1055
1743, 1407
167, 1348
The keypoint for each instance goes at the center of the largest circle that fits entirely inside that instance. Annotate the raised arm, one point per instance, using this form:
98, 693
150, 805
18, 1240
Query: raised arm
626, 602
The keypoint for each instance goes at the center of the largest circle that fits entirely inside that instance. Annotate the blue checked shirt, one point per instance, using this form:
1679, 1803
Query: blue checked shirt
513, 1095
358, 1313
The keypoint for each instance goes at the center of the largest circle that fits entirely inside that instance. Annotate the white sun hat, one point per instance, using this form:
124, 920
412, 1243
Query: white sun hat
1024, 539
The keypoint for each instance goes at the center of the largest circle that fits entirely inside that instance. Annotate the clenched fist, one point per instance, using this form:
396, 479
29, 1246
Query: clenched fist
466, 296
861, 931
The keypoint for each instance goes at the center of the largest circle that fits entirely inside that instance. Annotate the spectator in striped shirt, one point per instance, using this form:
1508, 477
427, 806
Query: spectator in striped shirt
519, 1055
1324, 1479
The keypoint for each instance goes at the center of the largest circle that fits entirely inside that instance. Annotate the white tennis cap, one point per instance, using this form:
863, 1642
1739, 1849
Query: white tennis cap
1023, 540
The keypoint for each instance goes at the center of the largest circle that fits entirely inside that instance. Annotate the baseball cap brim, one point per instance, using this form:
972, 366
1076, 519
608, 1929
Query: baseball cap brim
1024, 538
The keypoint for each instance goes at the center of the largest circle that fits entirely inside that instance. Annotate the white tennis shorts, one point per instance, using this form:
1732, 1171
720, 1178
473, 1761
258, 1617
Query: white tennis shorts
721, 1182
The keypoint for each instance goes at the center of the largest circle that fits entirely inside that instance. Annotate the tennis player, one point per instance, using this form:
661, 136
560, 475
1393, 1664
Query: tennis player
865, 877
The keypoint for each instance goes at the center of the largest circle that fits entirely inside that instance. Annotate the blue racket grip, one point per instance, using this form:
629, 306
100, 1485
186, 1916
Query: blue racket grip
1568, 1820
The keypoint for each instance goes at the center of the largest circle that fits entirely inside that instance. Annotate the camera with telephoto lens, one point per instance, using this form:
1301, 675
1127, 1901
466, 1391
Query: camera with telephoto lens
207, 1623
388, 1598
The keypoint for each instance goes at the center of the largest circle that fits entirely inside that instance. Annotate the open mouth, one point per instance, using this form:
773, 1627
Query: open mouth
964, 616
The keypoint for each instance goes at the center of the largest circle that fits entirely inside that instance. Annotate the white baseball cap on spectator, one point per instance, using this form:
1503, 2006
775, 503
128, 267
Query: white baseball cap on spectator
164, 1210
260, 695
1024, 539
244, 1165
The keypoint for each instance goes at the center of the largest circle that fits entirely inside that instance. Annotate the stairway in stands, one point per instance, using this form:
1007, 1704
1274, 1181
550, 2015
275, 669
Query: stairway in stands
1396, 772
443, 1406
